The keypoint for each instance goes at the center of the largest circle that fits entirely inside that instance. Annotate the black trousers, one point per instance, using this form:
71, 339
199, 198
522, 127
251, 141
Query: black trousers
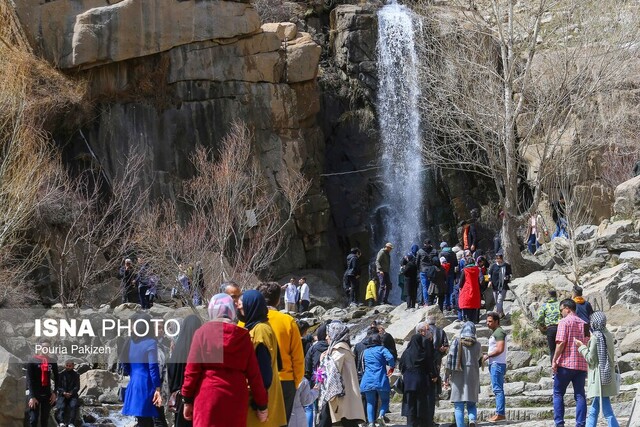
325, 419
40, 412
551, 339
289, 395
354, 289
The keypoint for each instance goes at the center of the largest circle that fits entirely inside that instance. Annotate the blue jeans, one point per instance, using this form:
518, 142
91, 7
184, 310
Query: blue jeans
448, 296
532, 244
372, 398
424, 282
459, 412
497, 371
561, 380
607, 412
309, 413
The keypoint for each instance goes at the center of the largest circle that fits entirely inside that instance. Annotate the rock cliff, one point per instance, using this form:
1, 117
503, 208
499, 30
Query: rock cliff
166, 76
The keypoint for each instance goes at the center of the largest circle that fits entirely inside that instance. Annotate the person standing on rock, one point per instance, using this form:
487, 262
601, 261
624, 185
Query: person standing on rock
548, 318
427, 261
127, 285
410, 271
290, 295
469, 300
463, 373
352, 277
40, 371
569, 365
68, 389
600, 355
305, 299
383, 267
447, 253
499, 278
497, 358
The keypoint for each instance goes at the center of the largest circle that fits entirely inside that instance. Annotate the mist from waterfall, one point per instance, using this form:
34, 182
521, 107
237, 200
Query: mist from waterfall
398, 220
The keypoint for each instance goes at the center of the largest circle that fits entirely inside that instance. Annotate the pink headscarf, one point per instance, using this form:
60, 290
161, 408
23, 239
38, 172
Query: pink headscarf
221, 307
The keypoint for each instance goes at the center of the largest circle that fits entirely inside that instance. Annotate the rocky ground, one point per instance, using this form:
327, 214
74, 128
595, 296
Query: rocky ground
608, 268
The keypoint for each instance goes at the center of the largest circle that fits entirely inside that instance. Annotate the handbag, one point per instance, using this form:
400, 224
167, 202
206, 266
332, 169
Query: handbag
617, 378
174, 401
399, 385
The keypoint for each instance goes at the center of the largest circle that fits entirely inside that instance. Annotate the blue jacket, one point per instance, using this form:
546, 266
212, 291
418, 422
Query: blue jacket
145, 377
375, 377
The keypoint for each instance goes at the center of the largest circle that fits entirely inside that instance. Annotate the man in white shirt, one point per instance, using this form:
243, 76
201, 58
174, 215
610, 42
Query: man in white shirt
290, 295
303, 289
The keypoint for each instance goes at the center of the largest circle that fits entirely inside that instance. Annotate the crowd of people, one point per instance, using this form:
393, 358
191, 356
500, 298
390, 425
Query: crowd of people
457, 278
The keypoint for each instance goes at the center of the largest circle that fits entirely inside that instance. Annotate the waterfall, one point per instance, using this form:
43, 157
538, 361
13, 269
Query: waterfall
399, 219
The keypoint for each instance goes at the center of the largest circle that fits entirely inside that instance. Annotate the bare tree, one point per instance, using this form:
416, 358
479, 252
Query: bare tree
32, 95
236, 223
506, 90
96, 229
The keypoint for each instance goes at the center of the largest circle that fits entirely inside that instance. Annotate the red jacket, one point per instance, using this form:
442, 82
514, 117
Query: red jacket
217, 376
470, 288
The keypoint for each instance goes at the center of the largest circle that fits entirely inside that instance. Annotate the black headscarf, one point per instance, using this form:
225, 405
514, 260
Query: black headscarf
415, 355
255, 308
178, 359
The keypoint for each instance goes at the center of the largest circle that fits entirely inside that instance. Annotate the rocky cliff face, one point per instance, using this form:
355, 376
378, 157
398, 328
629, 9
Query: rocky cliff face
166, 76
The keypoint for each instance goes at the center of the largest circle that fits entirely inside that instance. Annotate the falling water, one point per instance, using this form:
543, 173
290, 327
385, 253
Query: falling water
399, 218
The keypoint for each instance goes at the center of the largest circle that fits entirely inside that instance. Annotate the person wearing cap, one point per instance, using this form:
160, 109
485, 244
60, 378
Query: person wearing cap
383, 267
548, 318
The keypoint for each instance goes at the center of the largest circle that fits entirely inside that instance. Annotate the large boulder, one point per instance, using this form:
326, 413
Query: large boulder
12, 387
627, 199
88, 33
98, 382
619, 284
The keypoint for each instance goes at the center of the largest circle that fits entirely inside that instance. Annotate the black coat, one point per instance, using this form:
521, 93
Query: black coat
69, 382
34, 378
426, 258
353, 266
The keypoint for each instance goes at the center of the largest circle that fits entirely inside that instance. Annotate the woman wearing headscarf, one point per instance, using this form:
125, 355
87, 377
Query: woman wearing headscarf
463, 373
600, 355
141, 363
339, 393
178, 363
375, 382
221, 362
410, 272
469, 300
253, 310
418, 374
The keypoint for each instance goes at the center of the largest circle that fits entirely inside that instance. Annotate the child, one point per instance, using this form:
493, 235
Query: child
371, 296
303, 405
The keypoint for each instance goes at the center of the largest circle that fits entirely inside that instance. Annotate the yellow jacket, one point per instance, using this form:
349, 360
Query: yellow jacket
290, 344
372, 292
263, 334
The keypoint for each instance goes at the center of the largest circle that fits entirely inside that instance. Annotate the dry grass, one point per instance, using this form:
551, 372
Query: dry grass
33, 96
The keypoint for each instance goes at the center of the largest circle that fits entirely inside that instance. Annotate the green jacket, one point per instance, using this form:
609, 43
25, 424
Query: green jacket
590, 353
383, 261
549, 313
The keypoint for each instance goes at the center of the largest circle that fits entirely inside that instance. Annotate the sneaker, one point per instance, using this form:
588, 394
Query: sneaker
62, 425
70, 425
380, 422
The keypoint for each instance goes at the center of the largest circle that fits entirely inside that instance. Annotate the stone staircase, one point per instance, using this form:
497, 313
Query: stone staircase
528, 389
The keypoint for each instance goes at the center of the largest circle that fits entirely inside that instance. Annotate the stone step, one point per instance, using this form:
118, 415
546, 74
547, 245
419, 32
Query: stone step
515, 414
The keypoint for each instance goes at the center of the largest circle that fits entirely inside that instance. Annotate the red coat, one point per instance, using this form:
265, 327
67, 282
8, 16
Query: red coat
470, 288
217, 377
